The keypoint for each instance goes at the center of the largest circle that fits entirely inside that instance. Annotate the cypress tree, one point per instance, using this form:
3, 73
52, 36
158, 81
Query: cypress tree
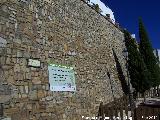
139, 74
146, 51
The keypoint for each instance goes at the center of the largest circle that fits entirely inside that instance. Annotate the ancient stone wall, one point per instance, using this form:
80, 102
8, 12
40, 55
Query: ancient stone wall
50, 31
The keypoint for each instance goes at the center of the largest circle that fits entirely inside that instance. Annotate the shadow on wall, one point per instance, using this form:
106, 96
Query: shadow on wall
121, 77
101, 112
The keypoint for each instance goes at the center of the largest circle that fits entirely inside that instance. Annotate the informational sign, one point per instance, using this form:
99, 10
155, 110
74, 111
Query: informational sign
34, 63
61, 78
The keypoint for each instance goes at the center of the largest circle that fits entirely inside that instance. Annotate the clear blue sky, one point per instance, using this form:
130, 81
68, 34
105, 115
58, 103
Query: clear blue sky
127, 13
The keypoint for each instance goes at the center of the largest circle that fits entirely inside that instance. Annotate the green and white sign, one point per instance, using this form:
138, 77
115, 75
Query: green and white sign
61, 78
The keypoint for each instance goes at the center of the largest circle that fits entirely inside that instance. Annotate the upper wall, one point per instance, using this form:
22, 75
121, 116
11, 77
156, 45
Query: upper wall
49, 31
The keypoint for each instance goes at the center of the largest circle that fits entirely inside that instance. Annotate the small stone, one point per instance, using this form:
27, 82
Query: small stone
10, 79
41, 94
33, 95
28, 76
3, 42
19, 54
16, 68
24, 96
9, 51
18, 41
36, 80
8, 61
26, 55
49, 98
43, 87
22, 89
19, 95
26, 89
47, 87
29, 106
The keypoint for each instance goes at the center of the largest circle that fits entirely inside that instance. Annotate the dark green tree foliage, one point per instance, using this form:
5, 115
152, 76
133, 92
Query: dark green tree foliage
139, 74
148, 55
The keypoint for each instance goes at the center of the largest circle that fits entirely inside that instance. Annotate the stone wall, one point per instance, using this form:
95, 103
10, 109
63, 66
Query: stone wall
50, 30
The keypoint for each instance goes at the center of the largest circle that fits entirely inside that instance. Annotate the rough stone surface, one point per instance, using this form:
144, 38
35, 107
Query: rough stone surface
66, 32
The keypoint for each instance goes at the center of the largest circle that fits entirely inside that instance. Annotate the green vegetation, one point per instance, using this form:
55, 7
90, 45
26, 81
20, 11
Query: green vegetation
139, 74
146, 51
143, 65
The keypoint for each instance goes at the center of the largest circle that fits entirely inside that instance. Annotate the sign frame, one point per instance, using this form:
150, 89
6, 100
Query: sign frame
61, 78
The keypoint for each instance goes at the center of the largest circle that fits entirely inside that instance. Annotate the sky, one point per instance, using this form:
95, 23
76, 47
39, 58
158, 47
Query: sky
127, 12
